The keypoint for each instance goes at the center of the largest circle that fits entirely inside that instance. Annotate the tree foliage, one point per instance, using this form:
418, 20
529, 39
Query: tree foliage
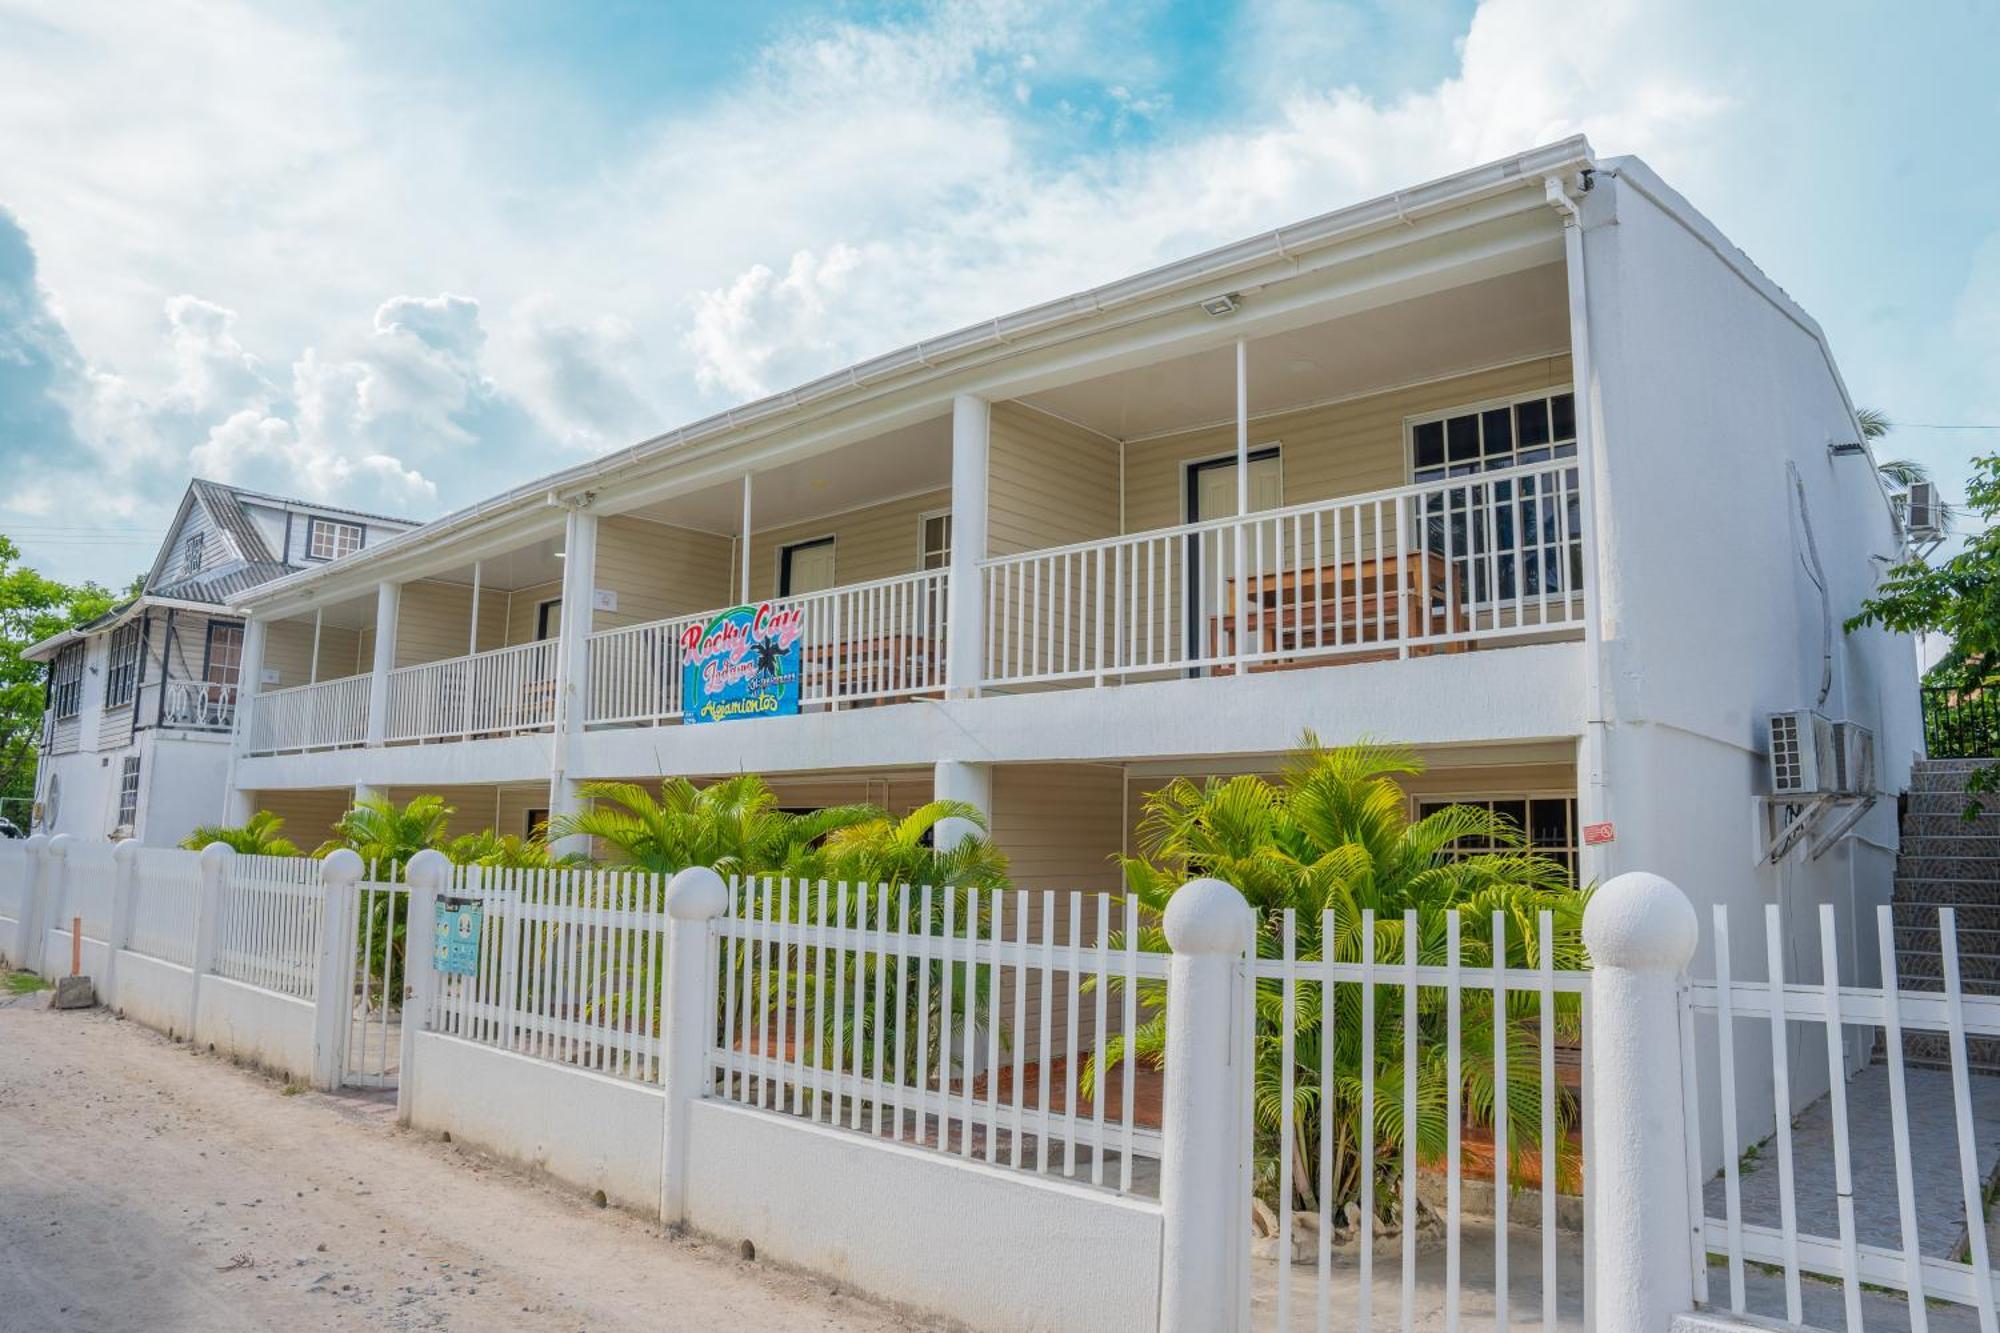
1958, 597
1333, 835
32, 607
262, 836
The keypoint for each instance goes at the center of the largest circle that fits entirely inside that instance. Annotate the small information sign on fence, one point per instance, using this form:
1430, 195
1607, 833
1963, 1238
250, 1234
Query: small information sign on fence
457, 951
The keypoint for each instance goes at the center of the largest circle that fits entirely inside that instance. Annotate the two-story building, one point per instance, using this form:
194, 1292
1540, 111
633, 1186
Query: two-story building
142, 700
1527, 467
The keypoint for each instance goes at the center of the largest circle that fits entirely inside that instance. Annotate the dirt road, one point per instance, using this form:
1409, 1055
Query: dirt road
144, 1185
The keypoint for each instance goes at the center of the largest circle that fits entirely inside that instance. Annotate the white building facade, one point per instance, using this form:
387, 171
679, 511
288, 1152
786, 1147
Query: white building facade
1527, 468
142, 701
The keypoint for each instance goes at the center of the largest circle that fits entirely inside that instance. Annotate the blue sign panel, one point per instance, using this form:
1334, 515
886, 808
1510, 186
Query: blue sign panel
457, 952
744, 663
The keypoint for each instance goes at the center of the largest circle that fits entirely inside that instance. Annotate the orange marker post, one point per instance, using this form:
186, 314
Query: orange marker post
76, 946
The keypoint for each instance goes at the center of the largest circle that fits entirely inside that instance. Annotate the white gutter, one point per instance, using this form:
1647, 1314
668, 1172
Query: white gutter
1199, 275
48, 647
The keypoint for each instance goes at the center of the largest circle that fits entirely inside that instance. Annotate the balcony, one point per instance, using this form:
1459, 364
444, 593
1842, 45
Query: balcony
495, 693
198, 705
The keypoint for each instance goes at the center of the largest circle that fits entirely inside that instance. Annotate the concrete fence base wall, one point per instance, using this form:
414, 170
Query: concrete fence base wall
154, 992
270, 1030
585, 1129
991, 1247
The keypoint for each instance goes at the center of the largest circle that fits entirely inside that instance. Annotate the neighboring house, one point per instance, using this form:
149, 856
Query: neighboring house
142, 700
1528, 467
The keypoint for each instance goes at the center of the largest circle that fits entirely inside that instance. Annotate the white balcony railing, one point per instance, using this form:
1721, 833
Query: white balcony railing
486, 694
1433, 567
325, 716
862, 642
199, 704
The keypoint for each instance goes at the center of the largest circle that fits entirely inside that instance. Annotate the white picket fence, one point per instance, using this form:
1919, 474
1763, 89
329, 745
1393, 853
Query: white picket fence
268, 924
163, 911
910, 1014
1779, 1011
14, 867
570, 969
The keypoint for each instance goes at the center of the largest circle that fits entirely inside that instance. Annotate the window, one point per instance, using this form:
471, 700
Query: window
191, 554
805, 567
329, 540
128, 792
122, 680
66, 681
1526, 529
222, 662
935, 542
1548, 821
534, 821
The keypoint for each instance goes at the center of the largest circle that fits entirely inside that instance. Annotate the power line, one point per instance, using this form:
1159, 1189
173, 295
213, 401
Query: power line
1932, 425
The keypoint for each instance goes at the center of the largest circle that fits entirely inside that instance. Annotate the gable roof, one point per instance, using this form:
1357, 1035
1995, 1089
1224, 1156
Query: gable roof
226, 511
252, 559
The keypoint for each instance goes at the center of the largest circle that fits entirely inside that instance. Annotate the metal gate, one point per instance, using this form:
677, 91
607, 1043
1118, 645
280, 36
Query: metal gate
373, 1037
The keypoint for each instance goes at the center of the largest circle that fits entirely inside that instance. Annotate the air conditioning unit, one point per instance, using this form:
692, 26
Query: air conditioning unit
1920, 512
1854, 759
1813, 755
1801, 753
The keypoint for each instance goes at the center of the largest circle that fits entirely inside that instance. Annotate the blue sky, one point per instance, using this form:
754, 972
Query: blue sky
400, 256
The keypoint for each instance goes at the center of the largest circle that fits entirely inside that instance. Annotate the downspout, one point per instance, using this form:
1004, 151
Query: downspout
1594, 794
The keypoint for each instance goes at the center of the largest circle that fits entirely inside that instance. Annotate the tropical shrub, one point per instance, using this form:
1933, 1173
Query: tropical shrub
507, 852
1332, 835
260, 837
733, 825
387, 835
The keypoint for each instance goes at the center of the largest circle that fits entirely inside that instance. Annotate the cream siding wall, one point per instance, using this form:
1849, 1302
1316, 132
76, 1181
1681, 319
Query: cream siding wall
522, 604
288, 650
657, 570
309, 814
1325, 452
878, 542
1050, 483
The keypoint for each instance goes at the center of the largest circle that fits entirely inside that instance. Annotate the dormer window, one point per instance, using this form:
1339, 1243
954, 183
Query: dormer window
328, 540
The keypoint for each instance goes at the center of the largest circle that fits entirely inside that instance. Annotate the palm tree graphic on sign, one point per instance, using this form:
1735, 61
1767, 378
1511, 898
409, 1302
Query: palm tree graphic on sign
768, 656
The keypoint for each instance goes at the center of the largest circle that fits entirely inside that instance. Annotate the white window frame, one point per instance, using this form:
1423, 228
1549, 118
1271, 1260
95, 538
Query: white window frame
1489, 797
1510, 400
122, 665
315, 525
128, 792
923, 539
67, 682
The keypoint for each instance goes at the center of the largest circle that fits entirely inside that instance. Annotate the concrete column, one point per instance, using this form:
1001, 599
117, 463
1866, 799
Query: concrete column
1641, 932
333, 992
217, 860
695, 897
388, 605
972, 783
124, 903
573, 656
250, 678
35, 873
971, 449
429, 875
1209, 927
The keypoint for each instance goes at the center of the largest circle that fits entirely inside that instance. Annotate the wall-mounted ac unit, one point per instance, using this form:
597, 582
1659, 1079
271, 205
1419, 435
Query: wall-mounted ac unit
1920, 512
1812, 755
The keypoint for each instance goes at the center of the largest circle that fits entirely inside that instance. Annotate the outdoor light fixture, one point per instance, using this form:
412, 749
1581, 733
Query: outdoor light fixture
1838, 448
1219, 306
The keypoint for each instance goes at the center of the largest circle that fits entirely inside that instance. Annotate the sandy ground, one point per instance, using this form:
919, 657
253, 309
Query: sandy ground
144, 1185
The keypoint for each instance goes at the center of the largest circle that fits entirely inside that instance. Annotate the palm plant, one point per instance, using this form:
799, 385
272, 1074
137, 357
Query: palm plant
507, 852
259, 837
734, 825
1899, 474
387, 835
1330, 840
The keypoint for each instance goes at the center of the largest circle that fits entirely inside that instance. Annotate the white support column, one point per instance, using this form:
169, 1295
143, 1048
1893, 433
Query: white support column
249, 684
333, 995
472, 633
971, 469
124, 904
428, 874
1239, 554
217, 860
1641, 932
388, 604
743, 550
250, 675
695, 897
34, 876
573, 655
312, 667
1209, 927
961, 780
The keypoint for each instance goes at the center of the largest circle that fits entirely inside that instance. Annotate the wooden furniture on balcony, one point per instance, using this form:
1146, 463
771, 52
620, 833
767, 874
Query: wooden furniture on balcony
884, 668
1296, 617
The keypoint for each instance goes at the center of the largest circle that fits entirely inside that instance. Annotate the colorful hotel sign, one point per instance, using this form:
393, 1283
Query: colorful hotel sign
744, 663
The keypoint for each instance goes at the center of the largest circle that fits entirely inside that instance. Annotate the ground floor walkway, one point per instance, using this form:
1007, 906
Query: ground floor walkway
146, 1185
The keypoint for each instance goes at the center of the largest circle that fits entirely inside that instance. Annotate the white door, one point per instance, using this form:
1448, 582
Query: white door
1212, 555
807, 567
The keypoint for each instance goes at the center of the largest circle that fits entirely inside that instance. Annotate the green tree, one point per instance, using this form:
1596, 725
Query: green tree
262, 836
32, 608
1899, 474
507, 852
1332, 834
882, 849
